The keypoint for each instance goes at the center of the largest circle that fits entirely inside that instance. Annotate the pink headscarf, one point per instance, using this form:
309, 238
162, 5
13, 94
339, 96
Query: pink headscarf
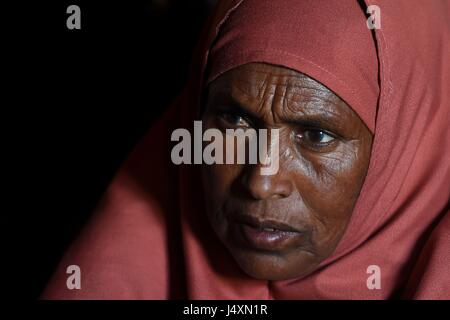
143, 243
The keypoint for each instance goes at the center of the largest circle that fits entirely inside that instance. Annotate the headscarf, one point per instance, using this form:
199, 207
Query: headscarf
149, 237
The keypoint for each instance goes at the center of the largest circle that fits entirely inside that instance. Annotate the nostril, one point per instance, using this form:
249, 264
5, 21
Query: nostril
262, 187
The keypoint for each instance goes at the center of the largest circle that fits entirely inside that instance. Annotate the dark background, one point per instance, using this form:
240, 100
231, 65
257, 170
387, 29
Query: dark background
86, 97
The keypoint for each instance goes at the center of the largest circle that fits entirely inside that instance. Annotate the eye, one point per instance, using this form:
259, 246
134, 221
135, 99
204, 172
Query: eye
315, 138
233, 120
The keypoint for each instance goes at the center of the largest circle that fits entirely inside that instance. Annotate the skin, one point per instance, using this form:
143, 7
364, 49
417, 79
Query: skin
324, 150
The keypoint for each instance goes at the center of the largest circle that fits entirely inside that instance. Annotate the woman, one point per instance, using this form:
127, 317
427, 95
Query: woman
359, 205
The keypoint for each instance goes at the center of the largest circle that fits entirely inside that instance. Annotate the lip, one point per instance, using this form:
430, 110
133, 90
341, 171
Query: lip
265, 234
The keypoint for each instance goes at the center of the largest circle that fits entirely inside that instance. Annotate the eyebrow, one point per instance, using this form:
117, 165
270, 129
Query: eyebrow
322, 117
224, 100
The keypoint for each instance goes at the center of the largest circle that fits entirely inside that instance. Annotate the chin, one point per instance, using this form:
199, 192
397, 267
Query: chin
274, 266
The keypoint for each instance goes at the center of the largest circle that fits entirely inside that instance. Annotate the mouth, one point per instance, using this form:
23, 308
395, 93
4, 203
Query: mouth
265, 234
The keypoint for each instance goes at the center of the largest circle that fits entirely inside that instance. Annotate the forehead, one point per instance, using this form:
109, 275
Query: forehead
253, 83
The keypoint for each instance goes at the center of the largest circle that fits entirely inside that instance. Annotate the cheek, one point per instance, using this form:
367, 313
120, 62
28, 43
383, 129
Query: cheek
218, 181
329, 185
336, 177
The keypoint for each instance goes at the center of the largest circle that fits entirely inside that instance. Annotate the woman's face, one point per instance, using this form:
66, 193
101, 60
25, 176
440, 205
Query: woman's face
282, 226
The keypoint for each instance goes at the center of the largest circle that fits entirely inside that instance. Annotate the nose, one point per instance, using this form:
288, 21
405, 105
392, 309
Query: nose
265, 187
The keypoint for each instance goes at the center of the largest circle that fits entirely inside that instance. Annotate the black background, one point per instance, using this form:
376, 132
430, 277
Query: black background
83, 98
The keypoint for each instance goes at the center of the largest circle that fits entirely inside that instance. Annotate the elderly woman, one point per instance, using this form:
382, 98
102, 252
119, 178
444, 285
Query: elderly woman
358, 207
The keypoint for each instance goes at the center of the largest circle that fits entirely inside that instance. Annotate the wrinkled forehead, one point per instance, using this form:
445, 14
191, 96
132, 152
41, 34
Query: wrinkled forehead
254, 79
261, 89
